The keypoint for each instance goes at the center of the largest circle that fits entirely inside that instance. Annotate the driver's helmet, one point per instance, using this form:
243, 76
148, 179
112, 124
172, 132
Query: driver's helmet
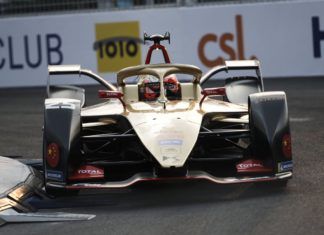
172, 87
150, 88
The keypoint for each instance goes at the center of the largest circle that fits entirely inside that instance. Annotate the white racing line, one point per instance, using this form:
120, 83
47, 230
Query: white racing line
300, 119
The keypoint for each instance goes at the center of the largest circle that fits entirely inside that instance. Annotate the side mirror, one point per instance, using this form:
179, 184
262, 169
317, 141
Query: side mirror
211, 92
104, 94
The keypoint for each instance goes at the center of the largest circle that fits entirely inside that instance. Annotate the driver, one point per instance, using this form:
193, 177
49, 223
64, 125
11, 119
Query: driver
172, 87
150, 88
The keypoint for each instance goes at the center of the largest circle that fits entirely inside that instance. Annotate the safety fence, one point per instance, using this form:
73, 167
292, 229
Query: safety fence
32, 7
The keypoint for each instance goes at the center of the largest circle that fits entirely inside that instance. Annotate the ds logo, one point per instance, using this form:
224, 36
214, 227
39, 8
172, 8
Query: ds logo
224, 41
117, 45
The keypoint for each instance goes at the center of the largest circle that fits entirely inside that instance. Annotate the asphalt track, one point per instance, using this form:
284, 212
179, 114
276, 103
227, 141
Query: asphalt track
186, 207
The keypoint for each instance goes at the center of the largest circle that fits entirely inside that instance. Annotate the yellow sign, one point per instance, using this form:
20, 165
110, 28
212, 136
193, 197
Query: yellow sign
117, 45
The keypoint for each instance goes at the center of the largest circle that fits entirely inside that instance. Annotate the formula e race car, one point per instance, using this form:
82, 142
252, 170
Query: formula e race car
160, 124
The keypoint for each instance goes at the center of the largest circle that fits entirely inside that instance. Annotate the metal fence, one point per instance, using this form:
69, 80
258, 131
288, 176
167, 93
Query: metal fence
33, 7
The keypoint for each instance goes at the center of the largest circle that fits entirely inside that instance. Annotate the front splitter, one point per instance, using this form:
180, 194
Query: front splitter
192, 175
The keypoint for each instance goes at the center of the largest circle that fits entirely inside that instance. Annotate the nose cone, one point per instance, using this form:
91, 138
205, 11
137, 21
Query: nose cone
170, 137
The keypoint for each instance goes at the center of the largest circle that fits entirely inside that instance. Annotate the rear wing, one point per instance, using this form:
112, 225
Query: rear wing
77, 70
242, 64
235, 65
64, 69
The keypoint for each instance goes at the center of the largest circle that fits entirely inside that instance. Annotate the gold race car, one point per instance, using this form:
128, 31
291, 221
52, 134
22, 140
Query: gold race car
162, 123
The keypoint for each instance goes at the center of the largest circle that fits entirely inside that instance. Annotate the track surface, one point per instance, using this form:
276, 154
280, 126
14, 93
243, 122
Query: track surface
186, 207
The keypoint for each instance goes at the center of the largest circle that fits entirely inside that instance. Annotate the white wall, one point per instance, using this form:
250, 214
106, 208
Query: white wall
280, 35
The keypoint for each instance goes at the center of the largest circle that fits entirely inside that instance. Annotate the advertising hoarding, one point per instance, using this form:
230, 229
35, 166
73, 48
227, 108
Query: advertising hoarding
288, 39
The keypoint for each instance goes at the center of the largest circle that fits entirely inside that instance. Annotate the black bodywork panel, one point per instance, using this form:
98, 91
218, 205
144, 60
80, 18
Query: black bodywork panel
238, 89
62, 125
269, 122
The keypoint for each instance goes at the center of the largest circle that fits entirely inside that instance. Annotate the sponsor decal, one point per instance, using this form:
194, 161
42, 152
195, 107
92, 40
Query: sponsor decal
60, 106
117, 45
170, 142
252, 166
172, 159
90, 171
285, 166
225, 41
87, 172
286, 146
271, 98
53, 155
30, 51
243, 166
54, 175
170, 147
170, 150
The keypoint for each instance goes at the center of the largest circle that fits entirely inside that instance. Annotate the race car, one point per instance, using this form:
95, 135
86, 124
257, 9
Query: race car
165, 127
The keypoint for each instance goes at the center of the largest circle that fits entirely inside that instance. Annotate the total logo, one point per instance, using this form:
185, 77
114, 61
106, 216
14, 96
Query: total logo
225, 42
87, 172
90, 172
117, 45
249, 165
